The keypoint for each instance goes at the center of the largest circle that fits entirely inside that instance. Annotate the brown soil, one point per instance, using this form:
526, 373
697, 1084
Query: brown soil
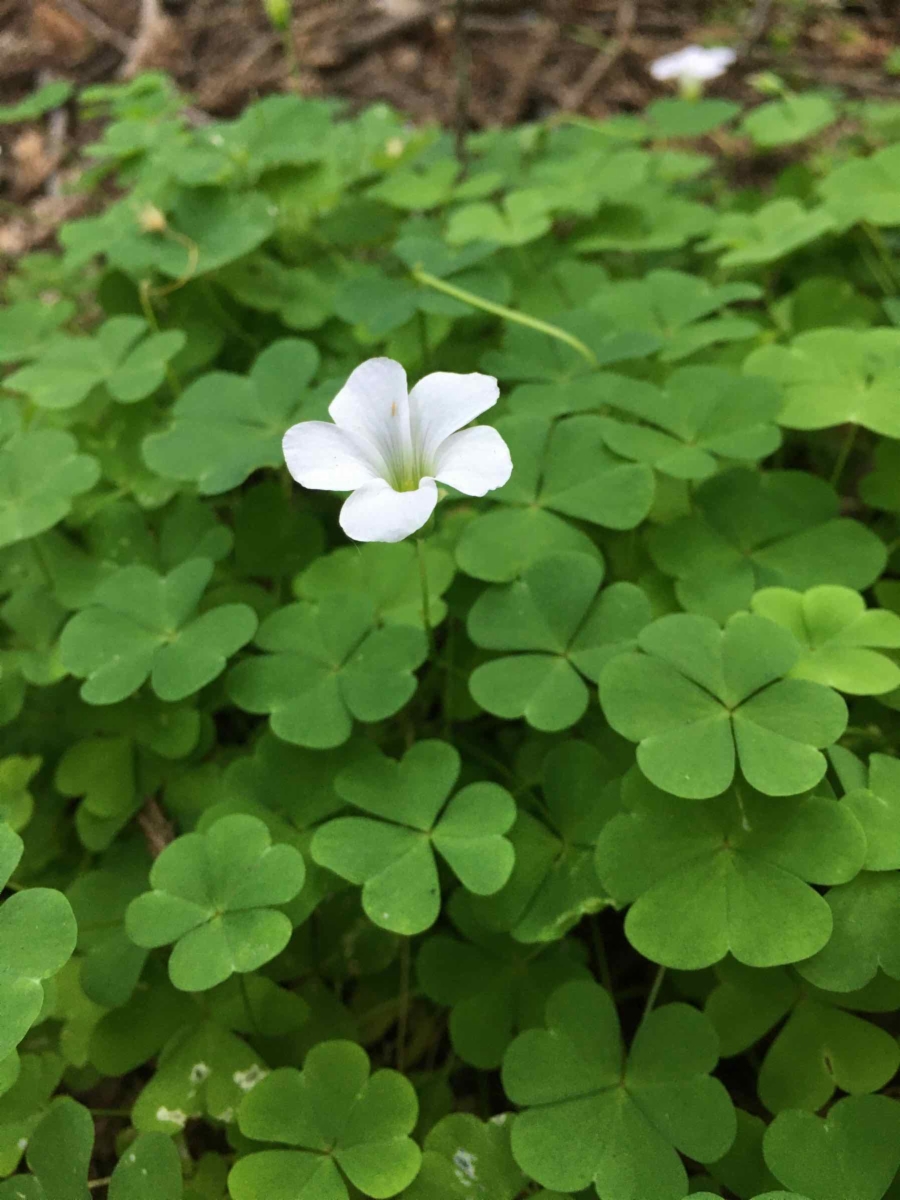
526, 60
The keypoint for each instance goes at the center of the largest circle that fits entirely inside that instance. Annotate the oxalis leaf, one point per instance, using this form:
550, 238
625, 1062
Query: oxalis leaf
839, 635
731, 874
392, 852
341, 1124
467, 1158
855, 1151
699, 700
226, 426
563, 629
216, 896
594, 1114
37, 937
41, 472
139, 626
326, 664
751, 530
553, 883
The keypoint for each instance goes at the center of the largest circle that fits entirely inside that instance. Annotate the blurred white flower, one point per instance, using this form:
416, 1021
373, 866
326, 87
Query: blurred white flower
390, 448
693, 64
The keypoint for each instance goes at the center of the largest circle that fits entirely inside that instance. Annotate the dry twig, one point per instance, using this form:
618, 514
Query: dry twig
626, 16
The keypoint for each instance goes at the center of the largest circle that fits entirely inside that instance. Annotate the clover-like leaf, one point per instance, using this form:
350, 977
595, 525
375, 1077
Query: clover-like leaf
770, 233
41, 471
835, 377
790, 119
820, 1047
203, 1070
679, 309
326, 664
563, 630
565, 468
751, 530
494, 986
16, 800
226, 426
874, 799
554, 883
26, 326
839, 635
699, 700
730, 874
110, 963
37, 937
865, 189
216, 895
464, 1158
392, 851
60, 1149
866, 915
854, 1151
150, 1169
139, 626
705, 416
650, 218
388, 573
120, 356
881, 487
342, 1124
594, 1115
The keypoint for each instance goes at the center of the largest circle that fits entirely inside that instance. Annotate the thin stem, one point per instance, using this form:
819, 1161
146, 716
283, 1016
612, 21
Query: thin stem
426, 599
600, 954
509, 314
654, 992
844, 454
463, 67
403, 1018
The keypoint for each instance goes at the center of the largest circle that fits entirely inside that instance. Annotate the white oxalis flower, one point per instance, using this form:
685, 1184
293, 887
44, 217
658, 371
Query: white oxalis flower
391, 448
694, 64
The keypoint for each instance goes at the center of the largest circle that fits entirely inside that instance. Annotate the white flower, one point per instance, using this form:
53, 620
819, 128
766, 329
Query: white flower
390, 448
693, 64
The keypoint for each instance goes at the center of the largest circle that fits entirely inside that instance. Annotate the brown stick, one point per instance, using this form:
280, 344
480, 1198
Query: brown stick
156, 827
546, 34
626, 16
95, 25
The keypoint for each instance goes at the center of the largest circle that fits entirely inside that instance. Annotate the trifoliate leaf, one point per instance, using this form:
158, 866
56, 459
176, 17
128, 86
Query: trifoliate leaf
392, 852
700, 700
854, 1151
111, 964
204, 1070
651, 218
770, 233
59, 1150
731, 874
876, 805
790, 119
593, 1115
216, 895
527, 355
673, 306
16, 800
705, 416
139, 627
467, 1159
120, 356
750, 530
386, 572
563, 628
23, 1106
302, 297
37, 937
684, 118
26, 327
342, 1125
41, 471
865, 189
226, 426
834, 377
554, 884
150, 1169
865, 914
839, 635
500, 545
881, 487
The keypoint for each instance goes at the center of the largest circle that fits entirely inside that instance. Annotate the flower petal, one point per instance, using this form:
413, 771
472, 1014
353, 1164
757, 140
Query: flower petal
474, 461
319, 455
443, 402
376, 513
694, 63
373, 406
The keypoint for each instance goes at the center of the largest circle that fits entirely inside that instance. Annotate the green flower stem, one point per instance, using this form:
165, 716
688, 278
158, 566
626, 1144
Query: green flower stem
843, 454
508, 314
426, 603
403, 1017
654, 993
